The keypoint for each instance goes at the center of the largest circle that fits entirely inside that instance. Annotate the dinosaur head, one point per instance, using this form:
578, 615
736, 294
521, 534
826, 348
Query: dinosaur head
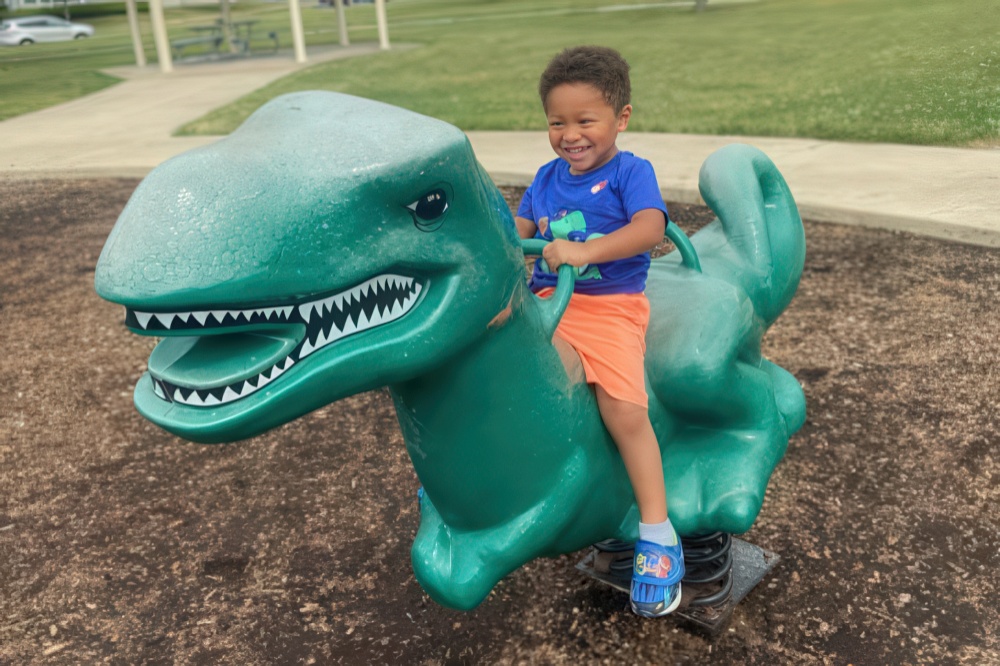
329, 246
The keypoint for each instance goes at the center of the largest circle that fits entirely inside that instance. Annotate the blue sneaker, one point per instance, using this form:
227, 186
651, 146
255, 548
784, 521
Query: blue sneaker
656, 579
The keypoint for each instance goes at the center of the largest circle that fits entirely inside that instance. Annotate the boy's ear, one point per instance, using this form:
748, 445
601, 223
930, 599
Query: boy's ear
623, 117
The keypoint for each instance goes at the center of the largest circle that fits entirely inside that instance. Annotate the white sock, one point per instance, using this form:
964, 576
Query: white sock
662, 534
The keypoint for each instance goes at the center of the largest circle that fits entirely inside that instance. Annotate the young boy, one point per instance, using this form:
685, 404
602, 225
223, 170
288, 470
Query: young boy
603, 212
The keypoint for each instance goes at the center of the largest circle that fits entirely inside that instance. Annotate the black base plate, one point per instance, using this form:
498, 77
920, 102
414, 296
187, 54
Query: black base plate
750, 565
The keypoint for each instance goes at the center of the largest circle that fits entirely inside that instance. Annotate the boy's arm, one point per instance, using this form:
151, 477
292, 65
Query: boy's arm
525, 227
641, 234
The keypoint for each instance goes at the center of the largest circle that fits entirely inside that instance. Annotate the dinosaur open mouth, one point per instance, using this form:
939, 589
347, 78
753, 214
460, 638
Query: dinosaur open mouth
194, 366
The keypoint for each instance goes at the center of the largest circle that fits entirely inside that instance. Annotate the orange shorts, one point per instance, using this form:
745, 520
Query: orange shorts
609, 333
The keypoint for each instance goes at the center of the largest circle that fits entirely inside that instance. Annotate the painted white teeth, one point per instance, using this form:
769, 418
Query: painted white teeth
203, 398
351, 299
349, 327
318, 308
143, 318
166, 319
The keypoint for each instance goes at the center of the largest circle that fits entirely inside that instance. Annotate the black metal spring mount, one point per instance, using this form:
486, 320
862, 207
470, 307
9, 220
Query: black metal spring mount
708, 566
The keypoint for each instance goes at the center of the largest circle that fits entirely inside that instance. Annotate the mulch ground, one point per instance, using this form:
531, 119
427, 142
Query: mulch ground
122, 544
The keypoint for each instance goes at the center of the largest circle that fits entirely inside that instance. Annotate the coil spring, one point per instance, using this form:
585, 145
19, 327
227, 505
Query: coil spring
708, 559
621, 551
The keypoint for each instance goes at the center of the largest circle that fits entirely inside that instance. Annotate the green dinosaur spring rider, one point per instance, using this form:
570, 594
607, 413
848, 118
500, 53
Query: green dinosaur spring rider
333, 245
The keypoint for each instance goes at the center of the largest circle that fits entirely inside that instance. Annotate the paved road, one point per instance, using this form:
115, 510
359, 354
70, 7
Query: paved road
127, 129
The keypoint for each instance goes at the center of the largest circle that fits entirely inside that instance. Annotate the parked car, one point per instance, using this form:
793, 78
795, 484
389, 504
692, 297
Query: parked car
31, 29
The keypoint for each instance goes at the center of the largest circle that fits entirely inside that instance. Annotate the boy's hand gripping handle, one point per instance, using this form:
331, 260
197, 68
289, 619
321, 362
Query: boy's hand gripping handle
553, 307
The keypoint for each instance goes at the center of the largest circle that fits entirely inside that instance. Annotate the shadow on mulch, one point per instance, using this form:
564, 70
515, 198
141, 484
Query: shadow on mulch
120, 543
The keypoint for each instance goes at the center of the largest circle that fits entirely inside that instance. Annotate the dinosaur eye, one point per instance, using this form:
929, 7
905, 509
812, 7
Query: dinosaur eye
428, 211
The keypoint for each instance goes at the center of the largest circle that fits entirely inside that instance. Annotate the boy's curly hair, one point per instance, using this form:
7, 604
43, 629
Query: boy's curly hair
599, 66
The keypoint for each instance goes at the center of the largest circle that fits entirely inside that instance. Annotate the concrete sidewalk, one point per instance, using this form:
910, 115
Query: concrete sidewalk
126, 130
950, 193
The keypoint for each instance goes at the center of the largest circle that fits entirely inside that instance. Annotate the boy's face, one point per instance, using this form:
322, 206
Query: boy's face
583, 127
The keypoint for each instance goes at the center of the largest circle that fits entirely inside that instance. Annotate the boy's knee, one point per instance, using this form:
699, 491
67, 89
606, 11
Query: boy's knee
614, 410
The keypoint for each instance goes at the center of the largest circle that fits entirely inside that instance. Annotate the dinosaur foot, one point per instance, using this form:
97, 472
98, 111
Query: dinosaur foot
458, 569
716, 479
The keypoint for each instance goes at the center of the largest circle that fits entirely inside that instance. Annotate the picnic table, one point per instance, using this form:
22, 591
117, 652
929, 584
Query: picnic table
209, 36
214, 35
239, 34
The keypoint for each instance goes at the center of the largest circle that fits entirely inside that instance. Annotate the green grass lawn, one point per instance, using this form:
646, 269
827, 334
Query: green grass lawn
907, 71
42, 75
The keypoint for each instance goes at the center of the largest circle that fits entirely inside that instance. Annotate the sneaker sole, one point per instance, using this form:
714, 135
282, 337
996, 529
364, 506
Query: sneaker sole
639, 609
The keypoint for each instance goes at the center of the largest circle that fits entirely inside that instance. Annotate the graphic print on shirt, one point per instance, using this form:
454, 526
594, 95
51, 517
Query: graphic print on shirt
572, 227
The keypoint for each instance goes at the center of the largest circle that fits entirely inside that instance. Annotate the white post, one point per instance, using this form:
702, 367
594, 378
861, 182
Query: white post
383, 25
133, 27
342, 23
227, 25
298, 37
160, 36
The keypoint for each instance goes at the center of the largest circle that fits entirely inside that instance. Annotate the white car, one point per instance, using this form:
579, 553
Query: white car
31, 29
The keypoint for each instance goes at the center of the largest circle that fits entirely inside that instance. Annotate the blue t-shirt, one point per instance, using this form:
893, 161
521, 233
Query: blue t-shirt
598, 202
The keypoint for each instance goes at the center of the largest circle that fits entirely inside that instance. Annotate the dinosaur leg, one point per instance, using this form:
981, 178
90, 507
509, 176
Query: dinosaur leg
716, 478
458, 569
737, 420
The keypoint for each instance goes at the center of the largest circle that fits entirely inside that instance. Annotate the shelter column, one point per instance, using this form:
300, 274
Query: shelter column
160, 36
298, 37
342, 23
133, 28
383, 25
227, 25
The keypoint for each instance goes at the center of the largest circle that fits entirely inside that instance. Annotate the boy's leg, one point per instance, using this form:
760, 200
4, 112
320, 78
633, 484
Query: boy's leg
629, 426
659, 558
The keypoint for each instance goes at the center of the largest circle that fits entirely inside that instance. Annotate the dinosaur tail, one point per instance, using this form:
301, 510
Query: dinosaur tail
761, 224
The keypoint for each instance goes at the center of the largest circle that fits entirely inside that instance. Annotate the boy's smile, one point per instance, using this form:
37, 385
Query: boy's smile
583, 127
